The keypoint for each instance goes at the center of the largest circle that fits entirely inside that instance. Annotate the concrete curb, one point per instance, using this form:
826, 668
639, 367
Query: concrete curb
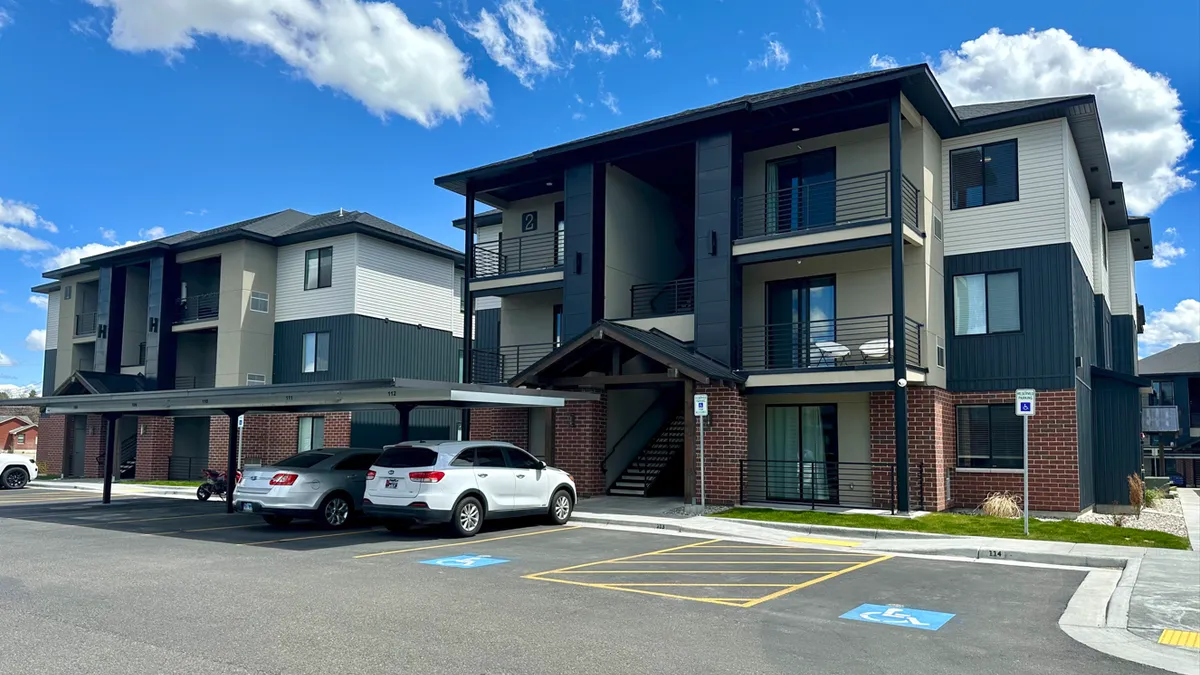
123, 489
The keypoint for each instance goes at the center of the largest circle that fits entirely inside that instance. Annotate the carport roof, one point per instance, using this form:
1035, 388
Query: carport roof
380, 394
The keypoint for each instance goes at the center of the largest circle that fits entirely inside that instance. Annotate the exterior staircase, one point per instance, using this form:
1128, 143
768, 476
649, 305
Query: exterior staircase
637, 478
127, 460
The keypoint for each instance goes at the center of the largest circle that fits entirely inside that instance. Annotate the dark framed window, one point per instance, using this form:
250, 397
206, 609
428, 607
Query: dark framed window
316, 353
987, 303
311, 434
1164, 392
983, 175
557, 329
519, 459
560, 227
357, 462
318, 268
490, 457
989, 437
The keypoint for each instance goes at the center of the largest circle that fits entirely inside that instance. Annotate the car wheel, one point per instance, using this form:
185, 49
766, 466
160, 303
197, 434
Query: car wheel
335, 511
560, 507
14, 478
277, 521
467, 518
203, 493
398, 526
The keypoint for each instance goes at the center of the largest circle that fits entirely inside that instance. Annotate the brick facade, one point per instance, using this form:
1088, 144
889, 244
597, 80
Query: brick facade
510, 425
155, 442
51, 442
932, 419
93, 451
580, 443
270, 438
725, 444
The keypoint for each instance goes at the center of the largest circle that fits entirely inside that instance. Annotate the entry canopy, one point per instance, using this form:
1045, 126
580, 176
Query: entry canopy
96, 393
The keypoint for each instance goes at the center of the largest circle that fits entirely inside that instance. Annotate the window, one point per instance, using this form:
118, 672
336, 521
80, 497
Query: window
987, 303
1104, 243
519, 459
560, 227
490, 457
937, 228
255, 379
305, 459
312, 433
359, 461
260, 302
983, 175
316, 352
1164, 392
940, 347
66, 292
318, 268
465, 458
989, 437
20, 439
406, 457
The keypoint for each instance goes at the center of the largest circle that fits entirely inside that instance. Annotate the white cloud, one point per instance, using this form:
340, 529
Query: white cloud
882, 62
577, 116
156, 232
368, 50
711, 80
631, 12
5, 18
36, 340
6, 361
85, 26
597, 44
41, 301
15, 391
108, 235
1169, 327
526, 49
654, 53
814, 15
22, 214
1166, 249
1140, 111
775, 56
608, 100
73, 254
19, 240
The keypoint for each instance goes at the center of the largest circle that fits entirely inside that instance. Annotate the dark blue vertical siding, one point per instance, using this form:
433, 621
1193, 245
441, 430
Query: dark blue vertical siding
1124, 344
1104, 357
1116, 416
162, 292
1083, 311
583, 269
714, 218
48, 371
110, 320
487, 329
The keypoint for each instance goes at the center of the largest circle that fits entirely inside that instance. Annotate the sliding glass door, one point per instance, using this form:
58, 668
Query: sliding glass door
802, 191
800, 318
802, 453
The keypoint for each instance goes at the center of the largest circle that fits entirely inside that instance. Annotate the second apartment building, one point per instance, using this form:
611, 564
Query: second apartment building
283, 298
858, 274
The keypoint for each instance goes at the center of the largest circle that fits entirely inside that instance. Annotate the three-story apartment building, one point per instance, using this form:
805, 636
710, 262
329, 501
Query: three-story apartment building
856, 273
282, 298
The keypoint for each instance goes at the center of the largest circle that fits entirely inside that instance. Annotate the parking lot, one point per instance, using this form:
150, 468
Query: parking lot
148, 585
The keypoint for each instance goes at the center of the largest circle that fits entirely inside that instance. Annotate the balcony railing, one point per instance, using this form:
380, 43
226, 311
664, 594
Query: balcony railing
845, 202
862, 484
518, 254
491, 366
141, 357
204, 381
85, 324
203, 307
858, 341
663, 298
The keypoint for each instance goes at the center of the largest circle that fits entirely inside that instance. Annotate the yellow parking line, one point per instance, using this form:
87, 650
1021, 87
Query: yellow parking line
621, 559
784, 552
16, 502
743, 562
818, 580
826, 542
223, 527
678, 572
717, 585
151, 520
631, 590
1180, 638
311, 536
466, 542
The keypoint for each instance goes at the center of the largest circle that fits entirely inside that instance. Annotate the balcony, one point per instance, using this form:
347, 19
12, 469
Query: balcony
663, 298
493, 366
845, 202
85, 324
837, 343
197, 308
516, 255
204, 381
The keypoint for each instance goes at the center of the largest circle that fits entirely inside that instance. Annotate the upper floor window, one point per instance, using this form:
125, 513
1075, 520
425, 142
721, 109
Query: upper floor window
21, 439
66, 292
983, 175
987, 303
989, 437
1164, 392
260, 302
318, 268
316, 352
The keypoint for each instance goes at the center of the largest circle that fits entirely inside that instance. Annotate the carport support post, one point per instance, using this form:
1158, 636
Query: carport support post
110, 442
231, 461
899, 366
468, 303
405, 412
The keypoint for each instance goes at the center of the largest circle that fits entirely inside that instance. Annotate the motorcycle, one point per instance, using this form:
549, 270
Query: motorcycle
214, 484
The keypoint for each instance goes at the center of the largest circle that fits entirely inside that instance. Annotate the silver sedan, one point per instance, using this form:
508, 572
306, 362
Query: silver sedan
323, 485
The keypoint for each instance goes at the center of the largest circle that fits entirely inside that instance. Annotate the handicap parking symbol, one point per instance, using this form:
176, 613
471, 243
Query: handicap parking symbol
466, 560
898, 616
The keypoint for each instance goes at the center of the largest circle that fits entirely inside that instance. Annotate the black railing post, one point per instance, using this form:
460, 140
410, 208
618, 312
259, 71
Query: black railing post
741, 481
892, 482
812, 485
921, 489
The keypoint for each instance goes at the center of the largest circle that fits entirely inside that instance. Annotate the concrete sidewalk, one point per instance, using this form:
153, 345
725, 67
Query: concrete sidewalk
97, 485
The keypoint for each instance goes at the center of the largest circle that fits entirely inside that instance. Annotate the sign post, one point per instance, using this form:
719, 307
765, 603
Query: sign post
700, 410
1026, 408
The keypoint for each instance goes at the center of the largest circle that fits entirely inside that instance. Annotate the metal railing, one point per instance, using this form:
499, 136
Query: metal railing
205, 381
543, 250
490, 366
85, 324
141, 357
858, 341
186, 468
858, 484
663, 298
203, 307
844, 202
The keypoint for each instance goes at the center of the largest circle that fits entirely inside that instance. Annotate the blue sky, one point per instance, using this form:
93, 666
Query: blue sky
120, 117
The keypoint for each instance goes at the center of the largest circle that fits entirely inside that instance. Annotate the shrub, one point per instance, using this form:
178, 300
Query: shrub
1154, 496
1001, 505
1137, 494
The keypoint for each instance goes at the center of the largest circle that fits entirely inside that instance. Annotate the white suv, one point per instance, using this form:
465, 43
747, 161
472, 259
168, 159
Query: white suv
461, 483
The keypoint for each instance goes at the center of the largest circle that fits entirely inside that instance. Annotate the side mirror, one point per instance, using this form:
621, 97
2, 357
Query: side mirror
541, 465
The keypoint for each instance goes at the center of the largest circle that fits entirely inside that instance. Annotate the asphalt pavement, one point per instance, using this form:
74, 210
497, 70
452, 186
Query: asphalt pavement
149, 585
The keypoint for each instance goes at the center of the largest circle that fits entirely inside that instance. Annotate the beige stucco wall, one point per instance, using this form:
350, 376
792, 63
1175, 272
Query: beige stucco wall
69, 352
528, 318
639, 240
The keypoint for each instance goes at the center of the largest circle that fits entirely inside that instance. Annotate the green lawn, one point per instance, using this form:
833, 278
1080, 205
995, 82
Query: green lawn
170, 483
979, 526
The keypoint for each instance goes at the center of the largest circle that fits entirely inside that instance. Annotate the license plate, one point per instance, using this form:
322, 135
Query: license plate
248, 507
391, 483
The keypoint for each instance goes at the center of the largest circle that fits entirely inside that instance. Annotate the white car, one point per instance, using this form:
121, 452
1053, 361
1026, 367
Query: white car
16, 470
462, 483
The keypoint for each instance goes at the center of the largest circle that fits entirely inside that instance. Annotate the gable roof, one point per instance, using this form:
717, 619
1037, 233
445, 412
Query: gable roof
23, 429
1180, 359
20, 418
975, 110
89, 382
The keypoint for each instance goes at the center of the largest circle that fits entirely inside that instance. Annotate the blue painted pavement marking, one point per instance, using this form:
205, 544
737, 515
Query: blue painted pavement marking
467, 560
891, 615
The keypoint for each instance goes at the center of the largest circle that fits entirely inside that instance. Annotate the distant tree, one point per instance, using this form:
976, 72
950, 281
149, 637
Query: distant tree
32, 393
4, 396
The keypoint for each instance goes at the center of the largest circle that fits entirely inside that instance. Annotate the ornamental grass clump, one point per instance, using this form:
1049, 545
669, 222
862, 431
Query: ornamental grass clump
1001, 505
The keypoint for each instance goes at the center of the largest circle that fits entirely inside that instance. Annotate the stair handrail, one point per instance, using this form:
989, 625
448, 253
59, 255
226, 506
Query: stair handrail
653, 404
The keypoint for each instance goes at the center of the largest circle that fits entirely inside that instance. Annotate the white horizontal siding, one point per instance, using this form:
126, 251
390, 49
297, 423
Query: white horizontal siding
1120, 274
292, 302
1078, 206
400, 284
1038, 218
1099, 250
52, 309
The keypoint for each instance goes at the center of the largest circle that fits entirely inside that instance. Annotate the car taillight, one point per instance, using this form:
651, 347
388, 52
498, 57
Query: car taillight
426, 476
370, 475
284, 479
239, 478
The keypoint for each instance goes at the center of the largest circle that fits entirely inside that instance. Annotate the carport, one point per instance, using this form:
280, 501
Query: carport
112, 396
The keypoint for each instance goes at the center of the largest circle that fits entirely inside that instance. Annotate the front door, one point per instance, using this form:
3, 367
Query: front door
800, 322
78, 447
801, 453
803, 191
